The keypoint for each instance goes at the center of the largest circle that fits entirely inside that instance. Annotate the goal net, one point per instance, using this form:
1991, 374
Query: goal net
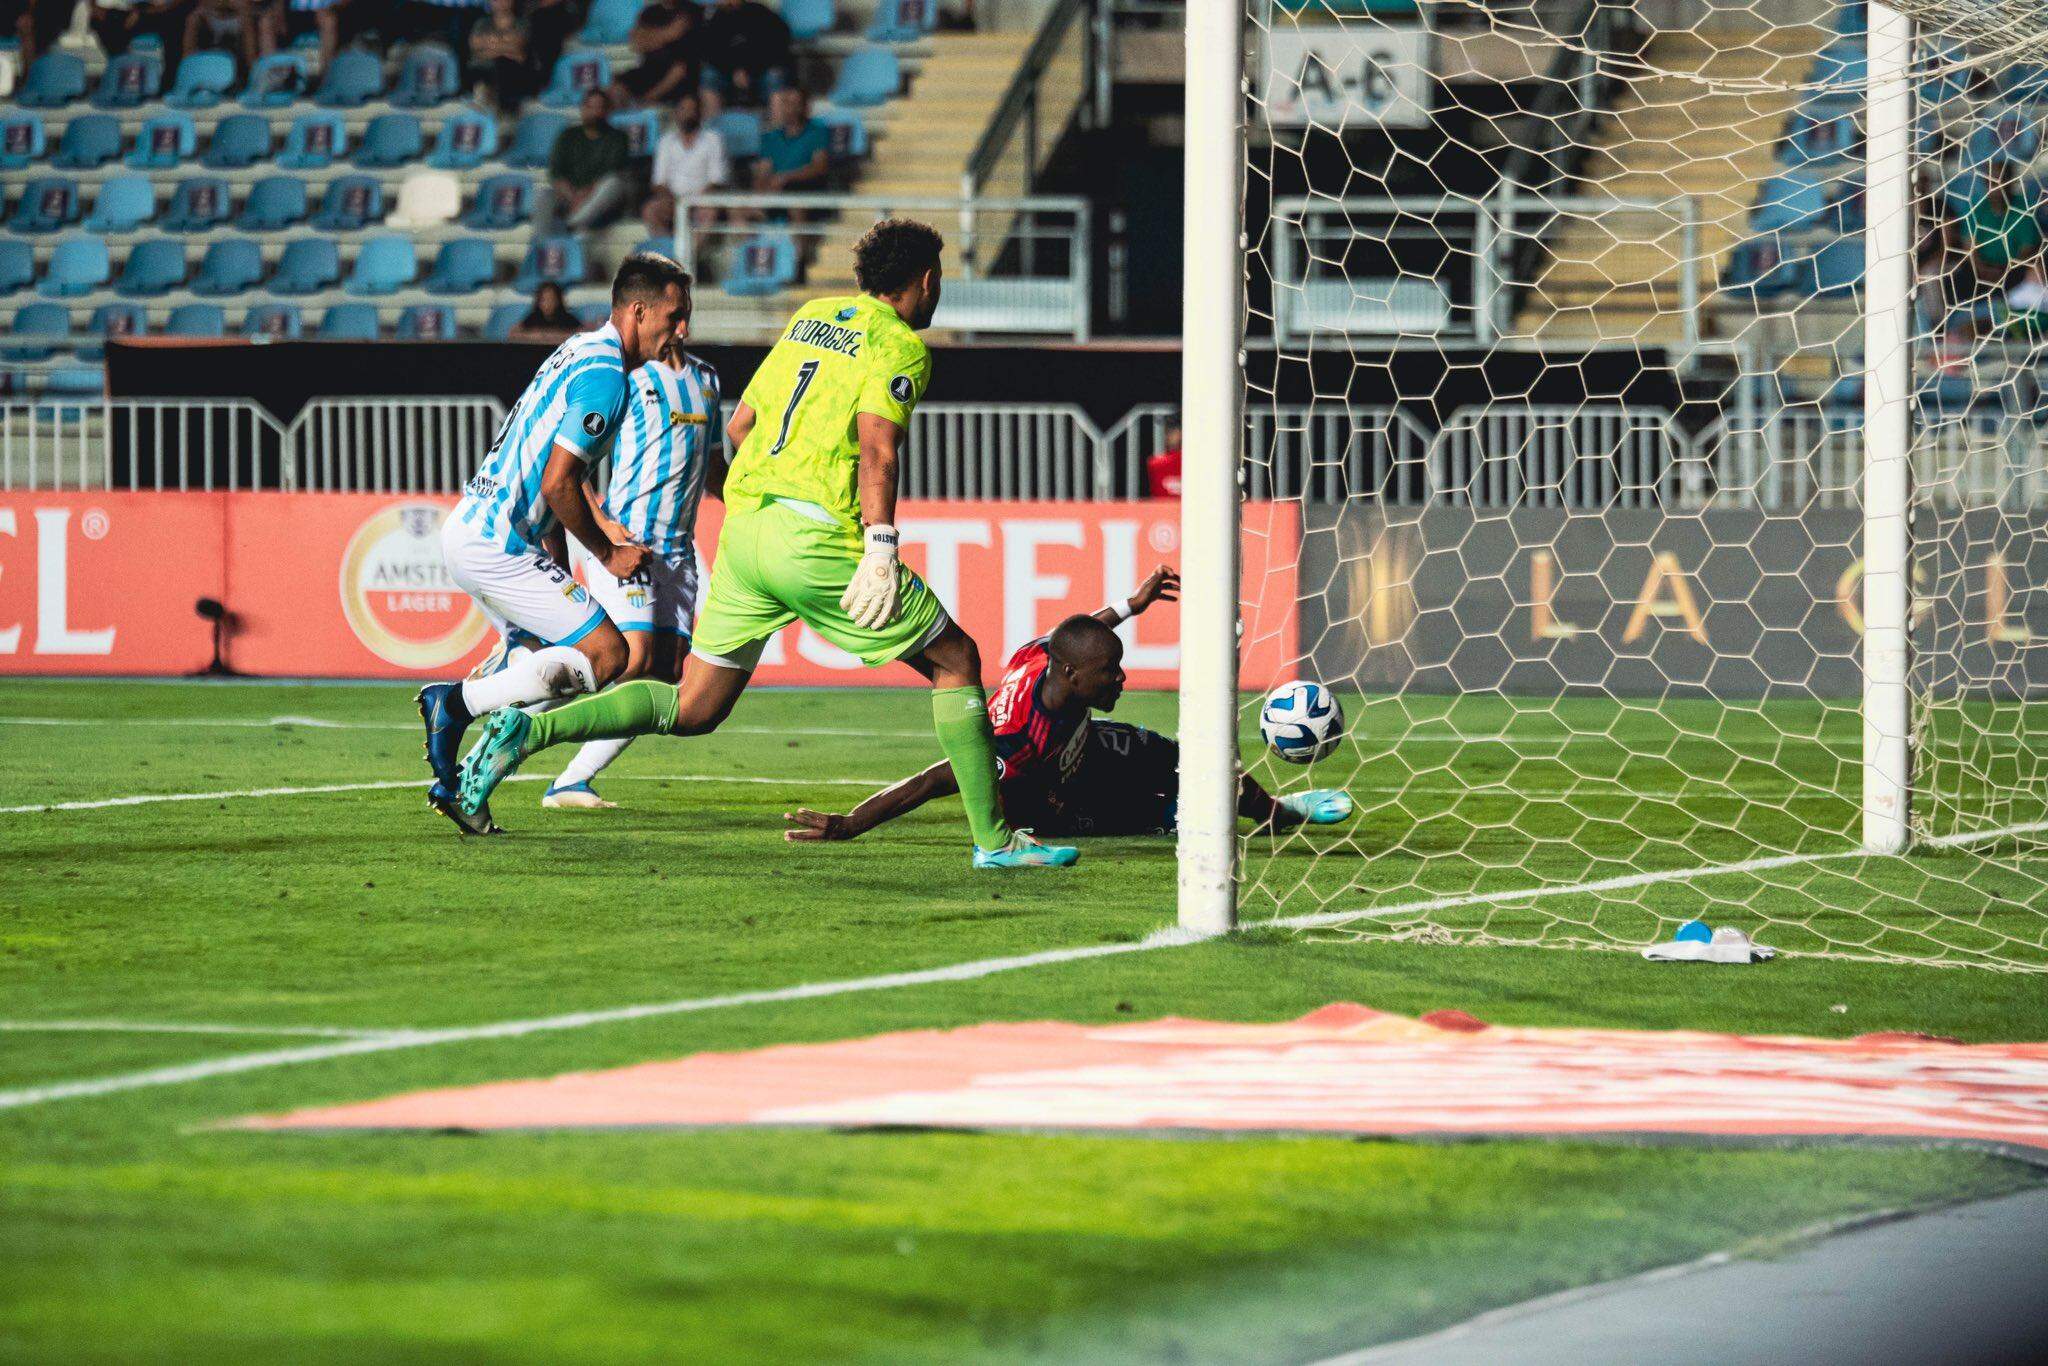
1650, 394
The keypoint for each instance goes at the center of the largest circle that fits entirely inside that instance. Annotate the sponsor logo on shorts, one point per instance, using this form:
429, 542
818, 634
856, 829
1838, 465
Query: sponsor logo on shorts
593, 423
396, 593
900, 388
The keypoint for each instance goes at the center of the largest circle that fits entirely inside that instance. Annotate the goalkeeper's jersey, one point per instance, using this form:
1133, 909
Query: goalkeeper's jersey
837, 359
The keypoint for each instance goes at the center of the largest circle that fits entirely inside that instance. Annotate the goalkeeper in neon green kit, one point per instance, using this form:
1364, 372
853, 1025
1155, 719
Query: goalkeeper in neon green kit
810, 536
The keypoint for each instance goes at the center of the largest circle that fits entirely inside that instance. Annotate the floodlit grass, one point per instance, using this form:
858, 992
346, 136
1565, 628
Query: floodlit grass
129, 1229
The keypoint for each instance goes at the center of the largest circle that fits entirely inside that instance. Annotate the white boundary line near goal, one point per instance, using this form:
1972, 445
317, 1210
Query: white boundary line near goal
956, 972
181, 1027
387, 785
317, 723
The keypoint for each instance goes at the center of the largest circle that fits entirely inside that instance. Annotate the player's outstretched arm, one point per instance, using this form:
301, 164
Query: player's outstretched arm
1161, 585
806, 825
563, 486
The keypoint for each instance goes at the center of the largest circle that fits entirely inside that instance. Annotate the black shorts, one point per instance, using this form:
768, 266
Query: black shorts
1127, 783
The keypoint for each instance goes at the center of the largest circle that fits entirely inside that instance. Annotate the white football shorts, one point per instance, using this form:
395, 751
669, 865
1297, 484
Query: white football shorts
661, 598
525, 592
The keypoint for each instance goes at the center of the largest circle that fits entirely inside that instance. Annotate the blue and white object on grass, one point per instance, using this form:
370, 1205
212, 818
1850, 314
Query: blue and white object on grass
1301, 722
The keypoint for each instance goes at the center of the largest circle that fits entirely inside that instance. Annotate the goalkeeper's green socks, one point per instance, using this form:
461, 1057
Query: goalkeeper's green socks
960, 716
642, 707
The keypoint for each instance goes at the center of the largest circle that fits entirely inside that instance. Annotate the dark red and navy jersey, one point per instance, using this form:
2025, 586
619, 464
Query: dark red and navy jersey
1032, 742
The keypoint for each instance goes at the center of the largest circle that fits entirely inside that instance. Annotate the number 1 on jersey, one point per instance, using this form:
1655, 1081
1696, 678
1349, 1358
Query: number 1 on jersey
804, 374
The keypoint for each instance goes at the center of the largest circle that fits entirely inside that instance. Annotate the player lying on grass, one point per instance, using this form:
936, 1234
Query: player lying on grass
810, 536
1063, 772
531, 482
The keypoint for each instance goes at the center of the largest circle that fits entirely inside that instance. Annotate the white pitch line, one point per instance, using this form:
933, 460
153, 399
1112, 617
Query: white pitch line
180, 1027
152, 798
315, 723
956, 972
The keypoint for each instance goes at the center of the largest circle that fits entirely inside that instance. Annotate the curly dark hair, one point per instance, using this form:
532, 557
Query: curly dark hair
893, 253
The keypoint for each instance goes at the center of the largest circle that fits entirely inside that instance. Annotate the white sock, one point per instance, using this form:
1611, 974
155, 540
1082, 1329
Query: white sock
592, 759
557, 671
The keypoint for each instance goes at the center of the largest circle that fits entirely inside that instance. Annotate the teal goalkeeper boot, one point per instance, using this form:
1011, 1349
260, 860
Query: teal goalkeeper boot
1024, 851
495, 758
1324, 806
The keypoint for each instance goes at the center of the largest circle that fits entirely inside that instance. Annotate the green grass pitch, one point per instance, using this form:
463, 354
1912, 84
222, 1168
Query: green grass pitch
130, 1230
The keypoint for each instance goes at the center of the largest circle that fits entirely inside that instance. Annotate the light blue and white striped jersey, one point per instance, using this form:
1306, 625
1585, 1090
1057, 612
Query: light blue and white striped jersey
576, 399
667, 440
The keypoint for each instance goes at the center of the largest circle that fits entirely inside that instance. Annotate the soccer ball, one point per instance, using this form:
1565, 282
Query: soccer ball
1302, 722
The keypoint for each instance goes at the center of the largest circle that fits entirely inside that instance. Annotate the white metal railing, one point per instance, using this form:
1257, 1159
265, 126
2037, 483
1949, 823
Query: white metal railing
1583, 457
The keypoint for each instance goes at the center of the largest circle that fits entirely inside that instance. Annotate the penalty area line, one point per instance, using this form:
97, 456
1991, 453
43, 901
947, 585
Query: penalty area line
390, 785
237, 1064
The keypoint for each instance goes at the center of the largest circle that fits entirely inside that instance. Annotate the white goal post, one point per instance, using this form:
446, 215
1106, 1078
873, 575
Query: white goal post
1573, 381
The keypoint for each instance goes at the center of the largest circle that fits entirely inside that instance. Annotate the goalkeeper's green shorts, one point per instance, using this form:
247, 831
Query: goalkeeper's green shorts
777, 565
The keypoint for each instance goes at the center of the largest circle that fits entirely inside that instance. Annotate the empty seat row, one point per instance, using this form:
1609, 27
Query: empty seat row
467, 139
428, 76
41, 330
81, 265
350, 203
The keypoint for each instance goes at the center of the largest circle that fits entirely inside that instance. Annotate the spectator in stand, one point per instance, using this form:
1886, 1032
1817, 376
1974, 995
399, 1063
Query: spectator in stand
550, 321
236, 26
325, 16
796, 151
501, 59
1162, 469
587, 184
689, 160
448, 22
2003, 228
118, 23
549, 24
667, 37
747, 44
37, 25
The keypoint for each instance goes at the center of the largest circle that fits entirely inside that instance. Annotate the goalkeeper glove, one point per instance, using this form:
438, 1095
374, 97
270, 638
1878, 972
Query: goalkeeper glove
871, 598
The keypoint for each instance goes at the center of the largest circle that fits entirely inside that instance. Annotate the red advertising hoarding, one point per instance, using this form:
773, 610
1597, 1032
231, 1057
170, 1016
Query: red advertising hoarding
352, 585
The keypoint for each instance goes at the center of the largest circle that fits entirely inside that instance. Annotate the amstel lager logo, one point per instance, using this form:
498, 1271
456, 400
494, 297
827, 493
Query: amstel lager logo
397, 595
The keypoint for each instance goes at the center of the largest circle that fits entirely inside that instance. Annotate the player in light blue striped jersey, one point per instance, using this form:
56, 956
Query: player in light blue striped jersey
504, 543
671, 447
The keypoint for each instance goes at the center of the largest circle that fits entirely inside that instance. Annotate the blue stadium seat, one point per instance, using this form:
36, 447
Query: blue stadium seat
767, 265
556, 259
429, 78
577, 72
610, 22
309, 265
468, 139
384, 266
502, 202
125, 203
134, 78
534, 139
22, 139
503, 318
114, 321
39, 330
349, 322
316, 140
153, 268
353, 79
427, 322
849, 134
1822, 130
196, 320
463, 266
352, 203
78, 266
17, 265
1838, 267
164, 142
198, 205
204, 79
868, 76
808, 19
76, 382
1853, 20
238, 140
593, 314
660, 246
391, 140
277, 322
54, 80
2025, 83
274, 202
90, 140
903, 21
1789, 202
46, 206
642, 128
232, 265
741, 131
277, 80
2008, 137
1841, 65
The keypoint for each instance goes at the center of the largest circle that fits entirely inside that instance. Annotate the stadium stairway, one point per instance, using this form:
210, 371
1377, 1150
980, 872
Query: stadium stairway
1686, 132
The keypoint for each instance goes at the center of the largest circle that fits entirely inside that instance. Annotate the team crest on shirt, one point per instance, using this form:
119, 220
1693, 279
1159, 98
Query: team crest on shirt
900, 388
593, 423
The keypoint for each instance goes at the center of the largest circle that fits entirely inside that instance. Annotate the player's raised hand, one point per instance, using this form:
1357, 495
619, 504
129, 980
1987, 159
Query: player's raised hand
871, 598
807, 825
626, 559
1161, 585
